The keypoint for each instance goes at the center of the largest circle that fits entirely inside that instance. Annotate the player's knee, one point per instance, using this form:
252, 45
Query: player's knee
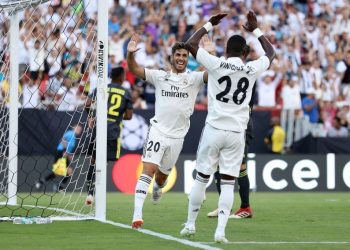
149, 168
243, 166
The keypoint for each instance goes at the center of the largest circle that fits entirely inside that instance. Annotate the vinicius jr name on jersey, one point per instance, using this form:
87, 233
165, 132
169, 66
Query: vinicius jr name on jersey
174, 92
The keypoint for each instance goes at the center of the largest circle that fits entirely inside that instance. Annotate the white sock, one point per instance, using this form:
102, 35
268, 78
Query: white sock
225, 205
140, 195
196, 199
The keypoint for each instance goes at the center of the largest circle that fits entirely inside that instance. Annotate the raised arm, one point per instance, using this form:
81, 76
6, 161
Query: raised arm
193, 42
252, 26
133, 66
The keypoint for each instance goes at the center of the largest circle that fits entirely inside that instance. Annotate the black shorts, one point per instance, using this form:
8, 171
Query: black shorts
248, 139
113, 149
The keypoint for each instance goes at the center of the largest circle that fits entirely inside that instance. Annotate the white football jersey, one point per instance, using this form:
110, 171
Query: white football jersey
230, 87
175, 98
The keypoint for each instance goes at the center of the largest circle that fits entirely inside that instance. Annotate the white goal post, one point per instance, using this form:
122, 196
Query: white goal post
72, 208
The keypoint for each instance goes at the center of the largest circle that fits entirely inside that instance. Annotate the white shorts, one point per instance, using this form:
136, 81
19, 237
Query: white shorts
161, 150
220, 148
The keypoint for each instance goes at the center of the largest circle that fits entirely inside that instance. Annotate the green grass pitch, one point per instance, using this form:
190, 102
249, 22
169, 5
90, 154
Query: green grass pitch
288, 218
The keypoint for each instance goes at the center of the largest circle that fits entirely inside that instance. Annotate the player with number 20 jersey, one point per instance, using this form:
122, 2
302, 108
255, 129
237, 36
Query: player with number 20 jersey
176, 92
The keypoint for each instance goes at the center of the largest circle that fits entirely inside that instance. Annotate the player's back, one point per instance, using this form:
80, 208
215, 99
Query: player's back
119, 100
230, 87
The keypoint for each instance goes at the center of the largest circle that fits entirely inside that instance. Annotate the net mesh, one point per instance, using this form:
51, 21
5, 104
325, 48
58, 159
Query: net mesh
56, 71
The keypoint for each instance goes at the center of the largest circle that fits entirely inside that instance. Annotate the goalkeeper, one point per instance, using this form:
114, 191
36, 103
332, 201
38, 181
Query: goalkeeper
63, 156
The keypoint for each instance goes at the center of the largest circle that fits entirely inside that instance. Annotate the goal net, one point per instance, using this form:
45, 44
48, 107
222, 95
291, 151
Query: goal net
44, 156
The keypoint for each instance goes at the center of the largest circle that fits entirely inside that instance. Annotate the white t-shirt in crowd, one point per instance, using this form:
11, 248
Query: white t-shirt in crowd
68, 100
36, 59
230, 86
291, 97
267, 92
31, 97
175, 98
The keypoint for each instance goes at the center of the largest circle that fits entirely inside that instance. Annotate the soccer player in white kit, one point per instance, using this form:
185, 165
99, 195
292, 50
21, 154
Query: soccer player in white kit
222, 143
176, 93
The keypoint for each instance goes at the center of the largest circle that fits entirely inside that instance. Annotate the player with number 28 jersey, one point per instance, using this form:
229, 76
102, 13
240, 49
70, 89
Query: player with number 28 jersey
230, 89
230, 86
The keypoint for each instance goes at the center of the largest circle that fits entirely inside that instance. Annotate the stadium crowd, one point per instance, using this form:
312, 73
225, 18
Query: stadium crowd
311, 74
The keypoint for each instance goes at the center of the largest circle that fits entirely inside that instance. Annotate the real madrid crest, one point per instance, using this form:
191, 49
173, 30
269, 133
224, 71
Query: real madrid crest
185, 80
167, 76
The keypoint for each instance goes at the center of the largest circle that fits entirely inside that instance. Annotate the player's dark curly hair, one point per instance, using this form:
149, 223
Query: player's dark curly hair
117, 73
237, 46
178, 45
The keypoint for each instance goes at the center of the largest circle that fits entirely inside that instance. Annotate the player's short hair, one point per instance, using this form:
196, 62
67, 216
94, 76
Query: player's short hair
117, 72
177, 46
237, 45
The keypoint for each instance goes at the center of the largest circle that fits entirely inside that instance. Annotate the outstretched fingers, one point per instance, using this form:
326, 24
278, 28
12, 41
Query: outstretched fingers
135, 38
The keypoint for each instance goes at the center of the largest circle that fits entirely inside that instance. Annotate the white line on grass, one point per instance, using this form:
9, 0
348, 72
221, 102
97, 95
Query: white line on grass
281, 242
164, 236
144, 231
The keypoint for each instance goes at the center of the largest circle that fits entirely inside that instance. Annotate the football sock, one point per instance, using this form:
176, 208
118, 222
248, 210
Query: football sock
243, 183
91, 179
217, 177
196, 198
225, 205
49, 177
66, 179
140, 195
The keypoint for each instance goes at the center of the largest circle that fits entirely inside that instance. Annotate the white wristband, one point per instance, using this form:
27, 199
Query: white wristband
257, 32
208, 26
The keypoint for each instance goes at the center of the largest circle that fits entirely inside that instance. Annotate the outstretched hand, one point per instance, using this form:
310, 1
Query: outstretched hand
132, 45
252, 22
215, 20
208, 44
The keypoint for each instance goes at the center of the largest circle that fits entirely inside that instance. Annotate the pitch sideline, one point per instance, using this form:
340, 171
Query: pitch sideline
200, 245
281, 242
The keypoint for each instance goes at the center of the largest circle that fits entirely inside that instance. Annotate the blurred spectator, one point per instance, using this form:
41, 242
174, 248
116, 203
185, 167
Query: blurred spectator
66, 96
267, 85
310, 107
328, 113
337, 130
138, 102
36, 60
311, 38
30, 94
113, 24
291, 94
52, 88
275, 137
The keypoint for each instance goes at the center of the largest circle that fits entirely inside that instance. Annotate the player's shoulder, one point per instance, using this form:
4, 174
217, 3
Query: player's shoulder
194, 73
117, 89
156, 72
254, 66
